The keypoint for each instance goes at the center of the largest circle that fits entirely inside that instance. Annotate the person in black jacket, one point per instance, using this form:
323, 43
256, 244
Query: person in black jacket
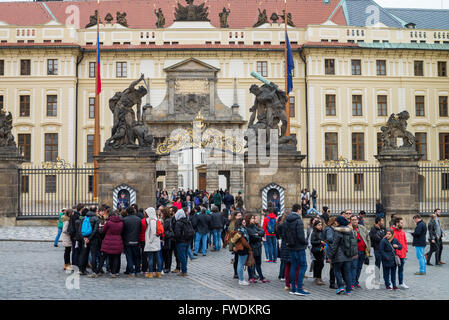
297, 244
433, 241
376, 234
387, 248
89, 243
183, 235
216, 226
419, 242
169, 240
318, 245
72, 229
130, 234
201, 222
256, 233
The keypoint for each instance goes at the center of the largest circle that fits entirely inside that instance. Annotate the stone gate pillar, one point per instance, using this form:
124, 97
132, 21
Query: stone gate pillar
399, 184
212, 181
287, 175
236, 180
10, 161
135, 168
171, 176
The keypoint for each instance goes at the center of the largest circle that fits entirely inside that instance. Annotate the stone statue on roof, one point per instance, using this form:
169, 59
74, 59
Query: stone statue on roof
274, 17
108, 18
121, 19
93, 20
289, 18
224, 15
191, 12
262, 19
160, 23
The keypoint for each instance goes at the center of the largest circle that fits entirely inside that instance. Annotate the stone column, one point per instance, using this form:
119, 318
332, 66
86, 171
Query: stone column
10, 161
287, 175
136, 168
236, 180
212, 178
399, 184
171, 176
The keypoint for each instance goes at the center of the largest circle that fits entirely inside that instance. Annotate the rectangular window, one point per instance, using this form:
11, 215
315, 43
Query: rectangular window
25, 67
121, 70
419, 105
91, 108
24, 142
50, 183
330, 105
1, 102
331, 146
358, 182
444, 146
24, 106
51, 147
262, 68
2, 67
357, 105
292, 107
443, 106
445, 181
356, 67
25, 184
90, 184
442, 69
421, 144
92, 70
331, 182
358, 146
381, 67
52, 67
381, 105
419, 68
90, 148
52, 106
329, 66
379, 142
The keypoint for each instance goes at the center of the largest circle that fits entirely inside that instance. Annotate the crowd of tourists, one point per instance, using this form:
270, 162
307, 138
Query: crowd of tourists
186, 224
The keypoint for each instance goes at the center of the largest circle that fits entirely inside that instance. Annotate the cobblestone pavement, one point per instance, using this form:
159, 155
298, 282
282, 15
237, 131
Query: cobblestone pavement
33, 270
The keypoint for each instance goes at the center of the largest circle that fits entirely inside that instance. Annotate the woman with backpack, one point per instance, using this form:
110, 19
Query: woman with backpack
318, 246
112, 244
269, 226
66, 241
240, 240
184, 234
387, 249
153, 243
255, 233
328, 233
169, 244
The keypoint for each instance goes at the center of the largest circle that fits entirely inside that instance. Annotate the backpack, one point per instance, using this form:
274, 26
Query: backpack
349, 244
187, 231
86, 227
159, 229
289, 235
197, 201
271, 228
169, 234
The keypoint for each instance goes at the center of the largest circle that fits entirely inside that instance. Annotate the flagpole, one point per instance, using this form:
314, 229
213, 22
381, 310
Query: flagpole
287, 105
97, 112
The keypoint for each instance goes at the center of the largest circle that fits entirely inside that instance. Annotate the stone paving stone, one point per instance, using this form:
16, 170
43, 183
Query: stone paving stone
33, 270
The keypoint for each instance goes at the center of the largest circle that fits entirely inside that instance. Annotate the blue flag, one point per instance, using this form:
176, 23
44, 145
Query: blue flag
290, 67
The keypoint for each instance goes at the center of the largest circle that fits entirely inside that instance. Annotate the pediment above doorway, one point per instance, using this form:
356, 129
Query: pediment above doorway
191, 65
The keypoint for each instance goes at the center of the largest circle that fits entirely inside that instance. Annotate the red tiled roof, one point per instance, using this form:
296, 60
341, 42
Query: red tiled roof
191, 46
331, 44
37, 44
140, 13
339, 17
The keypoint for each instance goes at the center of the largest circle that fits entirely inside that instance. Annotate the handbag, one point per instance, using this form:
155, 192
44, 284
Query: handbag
250, 262
397, 260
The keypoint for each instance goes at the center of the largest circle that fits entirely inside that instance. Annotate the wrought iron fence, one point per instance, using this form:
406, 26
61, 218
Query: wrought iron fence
433, 187
342, 185
44, 191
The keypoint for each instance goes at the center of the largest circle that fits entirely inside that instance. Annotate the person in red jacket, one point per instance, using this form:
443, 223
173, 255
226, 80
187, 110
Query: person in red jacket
178, 203
143, 254
399, 234
269, 225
